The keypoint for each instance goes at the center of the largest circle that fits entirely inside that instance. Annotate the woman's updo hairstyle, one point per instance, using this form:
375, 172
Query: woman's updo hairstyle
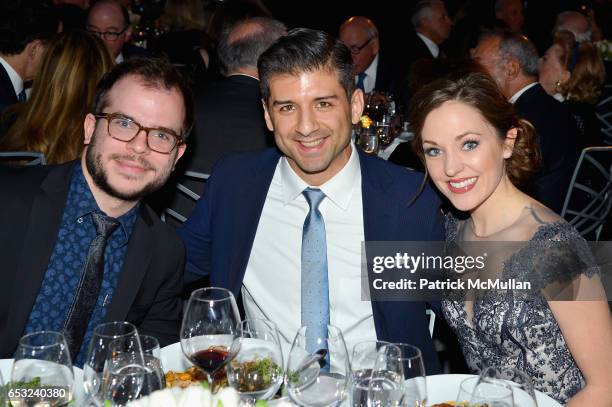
479, 90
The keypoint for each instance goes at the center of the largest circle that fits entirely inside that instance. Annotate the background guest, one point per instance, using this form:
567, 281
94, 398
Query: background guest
110, 20
25, 28
510, 13
51, 122
573, 72
512, 61
373, 69
184, 23
574, 22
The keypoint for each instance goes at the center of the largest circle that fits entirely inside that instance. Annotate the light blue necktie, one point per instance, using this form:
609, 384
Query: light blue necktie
315, 284
360, 81
22, 96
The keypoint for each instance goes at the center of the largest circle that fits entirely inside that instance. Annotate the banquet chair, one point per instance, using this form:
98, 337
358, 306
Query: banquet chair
187, 192
22, 158
589, 197
603, 112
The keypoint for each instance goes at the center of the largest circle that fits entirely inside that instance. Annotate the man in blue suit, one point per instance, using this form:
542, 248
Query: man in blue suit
284, 227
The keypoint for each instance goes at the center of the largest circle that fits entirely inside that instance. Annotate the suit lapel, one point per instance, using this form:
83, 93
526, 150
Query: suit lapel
41, 234
254, 192
379, 223
137, 259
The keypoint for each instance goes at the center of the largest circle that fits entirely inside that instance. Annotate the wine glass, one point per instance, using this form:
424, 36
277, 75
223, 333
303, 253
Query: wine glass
93, 367
415, 384
320, 378
474, 392
124, 374
520, 383
154, 373
256, 370
386, 385
363, 358
208, 329
43, 358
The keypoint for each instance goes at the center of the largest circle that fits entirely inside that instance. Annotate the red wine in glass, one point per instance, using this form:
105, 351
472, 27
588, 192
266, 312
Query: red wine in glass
211, 359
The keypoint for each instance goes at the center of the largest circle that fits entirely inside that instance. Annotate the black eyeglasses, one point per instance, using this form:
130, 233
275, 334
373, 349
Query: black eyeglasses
356, 49
123, 128
107, 35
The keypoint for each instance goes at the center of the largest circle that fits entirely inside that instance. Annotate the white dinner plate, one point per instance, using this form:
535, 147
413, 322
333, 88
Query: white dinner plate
444, 387
172, 358
6, 366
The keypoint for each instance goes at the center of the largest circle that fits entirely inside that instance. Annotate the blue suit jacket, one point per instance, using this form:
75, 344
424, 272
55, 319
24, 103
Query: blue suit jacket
220, 232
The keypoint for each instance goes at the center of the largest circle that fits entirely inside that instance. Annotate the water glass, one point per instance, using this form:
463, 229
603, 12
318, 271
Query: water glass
368, 140
97, 354
44, 357
473, 392
154, 373
363, 358
320, 378
124, 374
520, 383
386, 386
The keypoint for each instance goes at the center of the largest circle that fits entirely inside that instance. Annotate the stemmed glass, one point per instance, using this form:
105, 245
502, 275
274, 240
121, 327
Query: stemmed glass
494, 393
124, 372
386, 384
256, 370
97, 354
44, 356
154, 373
363, 359
318, 378
209, 327
399, 377
519, 382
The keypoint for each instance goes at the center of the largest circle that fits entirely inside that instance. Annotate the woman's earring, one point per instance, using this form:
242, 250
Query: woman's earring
558, 85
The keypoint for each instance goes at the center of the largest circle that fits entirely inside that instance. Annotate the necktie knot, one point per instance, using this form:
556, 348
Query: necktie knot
105, 225
313, 197
361, 81
22, 96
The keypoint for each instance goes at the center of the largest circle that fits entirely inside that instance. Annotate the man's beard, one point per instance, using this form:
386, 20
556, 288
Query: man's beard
93, 161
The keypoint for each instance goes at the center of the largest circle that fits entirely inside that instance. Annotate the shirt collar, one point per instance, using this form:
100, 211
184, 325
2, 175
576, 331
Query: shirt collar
119, 58
16, 80
371, 71
87, 204
338, 189
432, 46
244, 74
518, 94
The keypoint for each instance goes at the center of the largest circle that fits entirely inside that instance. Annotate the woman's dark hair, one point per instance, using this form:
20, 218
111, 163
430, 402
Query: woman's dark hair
306, 50
480, 92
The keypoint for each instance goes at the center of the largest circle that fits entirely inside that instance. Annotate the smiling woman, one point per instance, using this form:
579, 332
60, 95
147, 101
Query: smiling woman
477, 151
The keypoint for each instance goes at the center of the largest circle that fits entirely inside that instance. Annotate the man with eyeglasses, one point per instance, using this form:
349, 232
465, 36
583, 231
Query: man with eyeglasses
110, 20
79, 247
373, 70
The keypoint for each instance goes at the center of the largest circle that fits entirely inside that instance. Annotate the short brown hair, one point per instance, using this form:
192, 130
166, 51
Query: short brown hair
587, 72
480, 92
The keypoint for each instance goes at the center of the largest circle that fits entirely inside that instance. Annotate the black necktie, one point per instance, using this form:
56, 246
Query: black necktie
89, 285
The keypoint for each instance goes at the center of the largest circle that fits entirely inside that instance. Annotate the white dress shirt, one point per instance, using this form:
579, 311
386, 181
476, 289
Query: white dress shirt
431, 46
370, 80
16, 80
272, 281
518, 94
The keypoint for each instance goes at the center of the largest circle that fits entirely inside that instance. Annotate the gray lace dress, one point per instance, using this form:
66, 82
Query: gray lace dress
499, 330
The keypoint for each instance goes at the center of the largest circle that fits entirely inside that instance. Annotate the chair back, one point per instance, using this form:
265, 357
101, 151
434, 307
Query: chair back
22, 158
589, 197
185, 188
603, 111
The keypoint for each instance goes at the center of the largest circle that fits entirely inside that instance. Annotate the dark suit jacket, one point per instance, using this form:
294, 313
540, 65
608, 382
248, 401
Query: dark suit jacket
229, 118
7, 92
131, 50
558, 139
31, 209
219, 235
